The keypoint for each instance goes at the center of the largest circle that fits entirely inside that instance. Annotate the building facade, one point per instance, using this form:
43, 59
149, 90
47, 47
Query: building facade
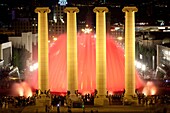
6, 53
163, 60
26, 40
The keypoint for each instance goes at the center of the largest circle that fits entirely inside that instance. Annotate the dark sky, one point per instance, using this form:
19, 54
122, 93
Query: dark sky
143, 10
49, 2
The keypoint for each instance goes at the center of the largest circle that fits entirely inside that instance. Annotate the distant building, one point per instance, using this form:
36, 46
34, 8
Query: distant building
27, 40
5, 50
24, 25
6, 31
57, 25
28, 21
163, 58
6, 53
147, 40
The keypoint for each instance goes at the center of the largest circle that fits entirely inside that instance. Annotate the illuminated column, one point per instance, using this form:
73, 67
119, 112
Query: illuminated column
42, 48
72, 69
130, 84
100, 55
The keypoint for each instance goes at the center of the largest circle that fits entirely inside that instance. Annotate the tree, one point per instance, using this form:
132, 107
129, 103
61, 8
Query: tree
20, 57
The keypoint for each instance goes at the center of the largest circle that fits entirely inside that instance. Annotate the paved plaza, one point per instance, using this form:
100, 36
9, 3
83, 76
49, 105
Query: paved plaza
92, 109
106, 109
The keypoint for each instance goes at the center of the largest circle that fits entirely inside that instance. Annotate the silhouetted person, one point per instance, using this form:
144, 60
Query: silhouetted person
46, 108
36, 91
69, 110
124, 92
58, 108
68, 92
165, 110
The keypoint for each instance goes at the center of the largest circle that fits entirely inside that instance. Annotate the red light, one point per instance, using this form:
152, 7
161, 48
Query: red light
21, 89
86, 65
149, 89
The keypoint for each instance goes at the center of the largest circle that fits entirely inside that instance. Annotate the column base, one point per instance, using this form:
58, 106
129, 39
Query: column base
130, 100
101, 101
43, 100
74, 101
74, 98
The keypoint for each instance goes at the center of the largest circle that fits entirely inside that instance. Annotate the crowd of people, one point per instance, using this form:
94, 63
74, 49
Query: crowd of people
87, 99
17, 101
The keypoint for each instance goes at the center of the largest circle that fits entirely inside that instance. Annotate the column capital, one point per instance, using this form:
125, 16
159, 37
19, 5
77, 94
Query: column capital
100, 9
71, 10
42, 10
130, 8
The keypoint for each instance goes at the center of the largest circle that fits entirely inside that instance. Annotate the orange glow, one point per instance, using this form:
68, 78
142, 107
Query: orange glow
21, 89
149, 89
153, 91
112, 30
119, 38
110, 93
86, 92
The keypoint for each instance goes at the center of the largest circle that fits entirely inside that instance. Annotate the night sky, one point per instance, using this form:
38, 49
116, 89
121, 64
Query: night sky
147, 10
49, 2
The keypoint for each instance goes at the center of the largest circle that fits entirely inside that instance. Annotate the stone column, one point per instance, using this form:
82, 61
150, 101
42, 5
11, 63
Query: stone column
72, 69
43, 73
43, 68
101, 55
130, 84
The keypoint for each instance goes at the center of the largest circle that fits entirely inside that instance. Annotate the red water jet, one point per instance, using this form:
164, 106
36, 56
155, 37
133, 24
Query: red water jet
86, 65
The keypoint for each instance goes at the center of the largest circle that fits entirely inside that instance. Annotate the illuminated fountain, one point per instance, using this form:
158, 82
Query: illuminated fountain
21, 89
86, 65
149, 89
